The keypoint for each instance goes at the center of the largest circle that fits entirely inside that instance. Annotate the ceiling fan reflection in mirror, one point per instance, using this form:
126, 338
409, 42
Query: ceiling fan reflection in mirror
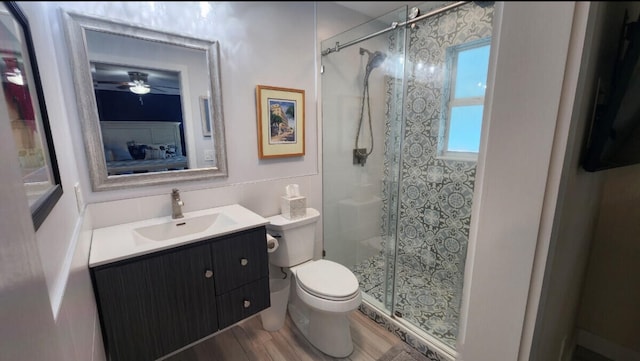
138, 81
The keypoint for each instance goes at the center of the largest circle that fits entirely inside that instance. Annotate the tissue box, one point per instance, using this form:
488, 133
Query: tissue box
293, 207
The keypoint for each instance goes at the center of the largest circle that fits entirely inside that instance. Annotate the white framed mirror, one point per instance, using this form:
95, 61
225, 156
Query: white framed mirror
150, 103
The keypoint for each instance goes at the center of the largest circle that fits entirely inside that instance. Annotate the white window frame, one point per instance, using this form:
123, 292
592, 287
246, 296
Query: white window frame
449, 101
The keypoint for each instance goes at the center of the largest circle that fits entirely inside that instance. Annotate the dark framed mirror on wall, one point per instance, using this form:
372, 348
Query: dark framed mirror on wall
24, 107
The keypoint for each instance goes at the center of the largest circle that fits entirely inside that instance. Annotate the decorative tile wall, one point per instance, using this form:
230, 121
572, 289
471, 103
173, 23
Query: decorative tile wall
435, 195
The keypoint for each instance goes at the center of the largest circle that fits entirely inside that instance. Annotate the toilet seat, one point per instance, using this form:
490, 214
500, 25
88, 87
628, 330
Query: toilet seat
327, 280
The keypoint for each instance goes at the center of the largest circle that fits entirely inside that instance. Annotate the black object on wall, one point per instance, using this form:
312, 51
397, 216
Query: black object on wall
127, 106
43, 205
614, 137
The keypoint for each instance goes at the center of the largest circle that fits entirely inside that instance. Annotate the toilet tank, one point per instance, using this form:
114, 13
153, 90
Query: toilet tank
296, 238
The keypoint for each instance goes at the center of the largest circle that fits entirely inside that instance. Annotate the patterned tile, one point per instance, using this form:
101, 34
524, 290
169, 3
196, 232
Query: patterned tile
431, 305
431, 227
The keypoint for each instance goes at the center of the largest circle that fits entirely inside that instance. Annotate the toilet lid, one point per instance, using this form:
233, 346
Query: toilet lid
327, 279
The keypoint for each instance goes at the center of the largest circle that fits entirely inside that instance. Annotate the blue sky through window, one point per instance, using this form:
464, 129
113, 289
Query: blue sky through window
464, 128
470, 65
471, 77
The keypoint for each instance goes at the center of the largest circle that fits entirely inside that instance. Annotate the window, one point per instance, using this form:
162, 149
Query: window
463, 99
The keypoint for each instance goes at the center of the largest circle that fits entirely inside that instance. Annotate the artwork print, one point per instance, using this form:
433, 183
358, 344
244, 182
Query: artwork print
282, 121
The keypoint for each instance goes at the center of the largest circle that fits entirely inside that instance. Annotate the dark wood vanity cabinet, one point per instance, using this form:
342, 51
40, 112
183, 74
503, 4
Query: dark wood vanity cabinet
155, 304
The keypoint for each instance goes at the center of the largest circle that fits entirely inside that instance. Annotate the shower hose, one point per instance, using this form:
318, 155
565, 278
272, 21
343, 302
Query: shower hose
362, 155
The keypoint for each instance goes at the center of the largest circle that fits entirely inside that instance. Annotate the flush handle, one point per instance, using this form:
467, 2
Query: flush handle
208, 274
244, 261
246, 304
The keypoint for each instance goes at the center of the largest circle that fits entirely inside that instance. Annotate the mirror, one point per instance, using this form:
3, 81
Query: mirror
25, 109
150, 103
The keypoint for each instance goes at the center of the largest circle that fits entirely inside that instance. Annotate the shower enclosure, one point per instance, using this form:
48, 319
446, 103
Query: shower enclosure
402, 106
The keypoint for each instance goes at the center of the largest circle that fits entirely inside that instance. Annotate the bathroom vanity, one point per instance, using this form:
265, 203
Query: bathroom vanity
157, 296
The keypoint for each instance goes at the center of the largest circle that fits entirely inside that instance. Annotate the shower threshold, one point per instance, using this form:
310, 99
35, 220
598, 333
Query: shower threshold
429, 307
423, 342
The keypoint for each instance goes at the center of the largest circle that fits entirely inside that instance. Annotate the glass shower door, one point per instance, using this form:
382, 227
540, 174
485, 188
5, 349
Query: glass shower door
362, 92
402, 116
446, 76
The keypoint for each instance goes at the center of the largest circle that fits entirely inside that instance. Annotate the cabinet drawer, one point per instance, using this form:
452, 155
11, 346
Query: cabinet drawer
239, 259
243, 302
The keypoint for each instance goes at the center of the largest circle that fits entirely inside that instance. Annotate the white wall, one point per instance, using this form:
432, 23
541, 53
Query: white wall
27, 329
57, 230
51, 332
527, 80
565, 256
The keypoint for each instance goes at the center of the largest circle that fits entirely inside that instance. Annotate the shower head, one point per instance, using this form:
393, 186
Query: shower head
375, 59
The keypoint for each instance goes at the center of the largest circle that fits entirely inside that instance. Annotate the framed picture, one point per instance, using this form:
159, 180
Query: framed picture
205, 115
280, 122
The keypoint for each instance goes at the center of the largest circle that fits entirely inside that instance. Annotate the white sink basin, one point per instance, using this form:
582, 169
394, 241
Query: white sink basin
184, 227
126, 240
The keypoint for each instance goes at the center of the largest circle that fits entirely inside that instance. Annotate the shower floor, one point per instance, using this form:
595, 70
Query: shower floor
432, 307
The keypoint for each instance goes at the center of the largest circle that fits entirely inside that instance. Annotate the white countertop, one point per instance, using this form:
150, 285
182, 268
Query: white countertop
114, 243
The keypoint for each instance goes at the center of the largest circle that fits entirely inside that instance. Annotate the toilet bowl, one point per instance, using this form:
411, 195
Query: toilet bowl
327, 286
323, 292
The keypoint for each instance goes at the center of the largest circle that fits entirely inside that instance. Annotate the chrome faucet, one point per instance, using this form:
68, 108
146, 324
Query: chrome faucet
176, 204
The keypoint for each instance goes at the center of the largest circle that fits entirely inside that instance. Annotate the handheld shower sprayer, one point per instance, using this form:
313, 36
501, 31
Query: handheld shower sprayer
375, 60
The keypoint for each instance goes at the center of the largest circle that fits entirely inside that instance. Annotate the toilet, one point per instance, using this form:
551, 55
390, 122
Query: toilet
323, 292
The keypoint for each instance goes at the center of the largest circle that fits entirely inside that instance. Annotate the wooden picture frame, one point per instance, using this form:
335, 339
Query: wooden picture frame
280, 114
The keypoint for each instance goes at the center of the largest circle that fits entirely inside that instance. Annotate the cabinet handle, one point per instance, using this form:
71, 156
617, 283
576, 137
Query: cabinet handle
244, 261
246, 303
208, 273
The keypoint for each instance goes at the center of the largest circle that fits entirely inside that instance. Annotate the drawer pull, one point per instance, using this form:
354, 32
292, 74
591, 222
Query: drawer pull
246, 303
244, 261
208, 273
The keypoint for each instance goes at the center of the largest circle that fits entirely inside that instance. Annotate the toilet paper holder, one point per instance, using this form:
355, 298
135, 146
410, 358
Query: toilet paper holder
272, 243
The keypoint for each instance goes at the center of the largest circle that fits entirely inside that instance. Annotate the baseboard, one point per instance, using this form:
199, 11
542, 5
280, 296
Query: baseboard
605, 347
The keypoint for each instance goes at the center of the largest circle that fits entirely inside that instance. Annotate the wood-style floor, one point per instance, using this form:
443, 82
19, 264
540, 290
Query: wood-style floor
248, 341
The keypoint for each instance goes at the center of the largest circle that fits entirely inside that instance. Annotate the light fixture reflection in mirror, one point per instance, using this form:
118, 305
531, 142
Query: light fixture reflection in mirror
140, 89
134, 141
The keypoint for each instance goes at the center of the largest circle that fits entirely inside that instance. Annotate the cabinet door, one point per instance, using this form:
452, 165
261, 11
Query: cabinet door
151, 306
239, 259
